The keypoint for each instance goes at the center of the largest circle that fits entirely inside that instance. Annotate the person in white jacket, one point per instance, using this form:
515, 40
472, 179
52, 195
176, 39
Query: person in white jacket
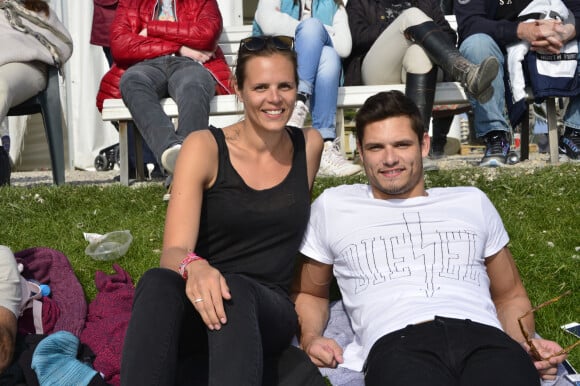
322, 37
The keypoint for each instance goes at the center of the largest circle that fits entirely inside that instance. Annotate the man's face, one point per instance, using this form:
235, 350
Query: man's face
392, 158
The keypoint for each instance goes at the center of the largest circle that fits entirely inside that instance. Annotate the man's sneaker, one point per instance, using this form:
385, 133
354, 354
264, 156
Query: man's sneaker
334, 164
298, 115
569, 143
169, 157
497, 147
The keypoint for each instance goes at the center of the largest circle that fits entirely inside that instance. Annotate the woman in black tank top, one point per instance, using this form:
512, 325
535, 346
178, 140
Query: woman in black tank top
241, 199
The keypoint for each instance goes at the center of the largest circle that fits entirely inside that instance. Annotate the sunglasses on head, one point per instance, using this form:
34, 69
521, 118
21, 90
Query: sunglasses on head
258, 43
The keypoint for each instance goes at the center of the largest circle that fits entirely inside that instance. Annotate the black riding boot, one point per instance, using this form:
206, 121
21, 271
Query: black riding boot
475, 78
421, 89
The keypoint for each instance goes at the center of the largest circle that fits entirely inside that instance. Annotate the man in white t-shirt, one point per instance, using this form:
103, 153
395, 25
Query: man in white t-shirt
427, 280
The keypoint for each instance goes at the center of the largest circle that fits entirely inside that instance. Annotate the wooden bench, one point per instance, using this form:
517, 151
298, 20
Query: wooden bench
225, 108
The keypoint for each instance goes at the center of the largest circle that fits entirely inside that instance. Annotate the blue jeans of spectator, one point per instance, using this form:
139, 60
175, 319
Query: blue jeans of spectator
167, 342
446, 352
572, 115
319, 70
489, 116
190, 85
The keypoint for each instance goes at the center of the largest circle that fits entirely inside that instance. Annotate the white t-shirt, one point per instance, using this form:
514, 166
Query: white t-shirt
401, 262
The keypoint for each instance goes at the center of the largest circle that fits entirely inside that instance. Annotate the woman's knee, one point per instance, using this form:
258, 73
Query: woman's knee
310, 29
414, 16
160, 282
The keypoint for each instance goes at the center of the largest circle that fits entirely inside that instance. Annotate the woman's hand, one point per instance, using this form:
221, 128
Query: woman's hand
206, 288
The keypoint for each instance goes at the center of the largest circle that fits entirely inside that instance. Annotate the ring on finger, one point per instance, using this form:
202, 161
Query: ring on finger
197, 300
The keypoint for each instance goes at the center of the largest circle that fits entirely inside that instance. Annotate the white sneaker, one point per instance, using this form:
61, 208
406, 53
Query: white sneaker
334, 164
298, 115
169, 157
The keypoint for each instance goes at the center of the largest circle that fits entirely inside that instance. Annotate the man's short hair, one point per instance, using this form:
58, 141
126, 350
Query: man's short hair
388, 104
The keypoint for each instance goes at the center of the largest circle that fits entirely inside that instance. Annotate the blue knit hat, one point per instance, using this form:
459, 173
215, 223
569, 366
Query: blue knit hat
55, 363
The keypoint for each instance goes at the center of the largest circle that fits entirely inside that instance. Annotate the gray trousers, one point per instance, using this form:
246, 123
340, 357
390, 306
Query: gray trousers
190, 85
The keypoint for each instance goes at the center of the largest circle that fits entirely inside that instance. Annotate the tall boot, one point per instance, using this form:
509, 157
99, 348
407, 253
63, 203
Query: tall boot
475, 78
421, 89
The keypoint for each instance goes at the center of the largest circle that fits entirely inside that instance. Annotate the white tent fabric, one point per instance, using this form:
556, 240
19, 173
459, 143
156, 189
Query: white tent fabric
87, 134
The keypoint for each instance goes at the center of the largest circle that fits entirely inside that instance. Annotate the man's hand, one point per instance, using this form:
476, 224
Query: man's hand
206, 288
546, 348
323, 352
544, 35
143, 32
198, 56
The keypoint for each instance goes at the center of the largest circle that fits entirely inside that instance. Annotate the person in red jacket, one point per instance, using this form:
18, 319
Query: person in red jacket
166, 48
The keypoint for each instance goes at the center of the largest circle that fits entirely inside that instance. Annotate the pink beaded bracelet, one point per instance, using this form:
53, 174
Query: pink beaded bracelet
191, 256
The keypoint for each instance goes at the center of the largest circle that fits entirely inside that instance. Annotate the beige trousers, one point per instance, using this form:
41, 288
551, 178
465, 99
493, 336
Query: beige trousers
19, 82
393, 55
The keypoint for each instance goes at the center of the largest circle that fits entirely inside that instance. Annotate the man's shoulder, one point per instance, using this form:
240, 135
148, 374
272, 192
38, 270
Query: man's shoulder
456, 191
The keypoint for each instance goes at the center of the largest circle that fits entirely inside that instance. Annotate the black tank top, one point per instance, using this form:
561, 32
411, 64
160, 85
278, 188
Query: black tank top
251, 232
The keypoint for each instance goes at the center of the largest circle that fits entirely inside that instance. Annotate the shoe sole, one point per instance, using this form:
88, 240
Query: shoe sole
169, 158
492, 163
488, 70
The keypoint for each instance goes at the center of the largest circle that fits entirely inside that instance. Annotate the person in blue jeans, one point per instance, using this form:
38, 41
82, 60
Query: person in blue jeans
322, 37
486, 28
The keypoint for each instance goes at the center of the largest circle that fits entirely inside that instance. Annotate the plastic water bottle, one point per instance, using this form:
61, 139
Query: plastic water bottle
5, 135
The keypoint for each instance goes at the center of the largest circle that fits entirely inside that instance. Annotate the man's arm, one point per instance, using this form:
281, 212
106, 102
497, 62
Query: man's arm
511, 301
7, 337
310, 292
508, 293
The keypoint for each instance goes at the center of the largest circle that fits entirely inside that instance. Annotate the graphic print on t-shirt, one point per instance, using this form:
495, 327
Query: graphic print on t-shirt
415, 251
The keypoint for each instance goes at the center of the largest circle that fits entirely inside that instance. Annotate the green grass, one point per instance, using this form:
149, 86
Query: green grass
540, 209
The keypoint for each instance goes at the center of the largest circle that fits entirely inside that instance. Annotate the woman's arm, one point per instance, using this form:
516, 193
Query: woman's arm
272, 21
195, 171
314, 144
340, 33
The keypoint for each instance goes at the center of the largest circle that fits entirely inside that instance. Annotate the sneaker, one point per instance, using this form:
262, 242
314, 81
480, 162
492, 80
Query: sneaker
169, 157
569, 143
334, 164
497, 147
298, 115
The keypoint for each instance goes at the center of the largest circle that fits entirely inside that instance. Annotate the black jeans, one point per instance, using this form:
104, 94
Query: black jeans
167, 343
448, 352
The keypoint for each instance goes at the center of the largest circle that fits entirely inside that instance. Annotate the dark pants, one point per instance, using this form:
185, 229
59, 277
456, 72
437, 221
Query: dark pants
168, 344
186, 81
448, 352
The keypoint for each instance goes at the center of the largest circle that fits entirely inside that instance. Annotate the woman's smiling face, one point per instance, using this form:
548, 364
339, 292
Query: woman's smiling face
269, 91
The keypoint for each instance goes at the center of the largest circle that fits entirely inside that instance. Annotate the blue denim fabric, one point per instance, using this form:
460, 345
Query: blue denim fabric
489, 116
572, 116
188, 82
319, 70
